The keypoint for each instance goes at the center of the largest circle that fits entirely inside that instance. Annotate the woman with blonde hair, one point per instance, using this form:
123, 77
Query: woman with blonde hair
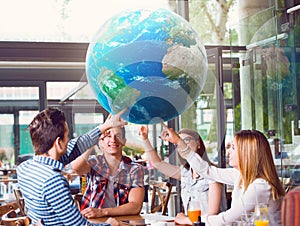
253, 176
193, 186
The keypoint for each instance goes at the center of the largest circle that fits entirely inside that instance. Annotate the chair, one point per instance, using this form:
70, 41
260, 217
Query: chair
287, 183
162, 191
11, 218
290, 208
8, 207
20, 200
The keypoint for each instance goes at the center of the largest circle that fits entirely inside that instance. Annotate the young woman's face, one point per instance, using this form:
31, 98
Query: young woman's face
233, 157
190, 141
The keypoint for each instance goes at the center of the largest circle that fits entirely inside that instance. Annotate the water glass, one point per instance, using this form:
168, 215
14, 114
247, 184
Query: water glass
248, 218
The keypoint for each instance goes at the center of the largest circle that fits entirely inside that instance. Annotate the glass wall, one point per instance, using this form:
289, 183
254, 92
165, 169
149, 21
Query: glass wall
269, 82
7, 138
25, 118
261, 92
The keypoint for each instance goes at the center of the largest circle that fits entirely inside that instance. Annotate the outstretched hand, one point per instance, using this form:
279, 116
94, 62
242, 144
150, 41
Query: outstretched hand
143, 132
113, 121
168, 134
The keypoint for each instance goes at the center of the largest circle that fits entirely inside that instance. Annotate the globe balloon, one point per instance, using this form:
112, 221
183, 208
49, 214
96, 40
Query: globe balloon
151, 62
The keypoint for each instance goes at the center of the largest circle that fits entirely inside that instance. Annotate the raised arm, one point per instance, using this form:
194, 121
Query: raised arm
81, 165
113, 121
152, 156
202, 167
79, 145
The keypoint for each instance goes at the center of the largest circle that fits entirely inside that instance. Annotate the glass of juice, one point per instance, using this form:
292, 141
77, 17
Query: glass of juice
261, 215
194, 210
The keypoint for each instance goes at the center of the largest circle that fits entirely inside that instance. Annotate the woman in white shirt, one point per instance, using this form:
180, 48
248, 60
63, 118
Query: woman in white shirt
253, 175
193, 186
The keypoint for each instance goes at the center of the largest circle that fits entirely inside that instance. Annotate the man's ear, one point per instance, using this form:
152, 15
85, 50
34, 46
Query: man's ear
58, 142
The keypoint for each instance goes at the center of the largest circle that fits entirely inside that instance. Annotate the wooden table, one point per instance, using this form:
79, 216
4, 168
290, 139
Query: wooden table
6, 180
150, 218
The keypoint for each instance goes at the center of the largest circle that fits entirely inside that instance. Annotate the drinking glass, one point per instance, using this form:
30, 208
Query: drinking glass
261, 215
248, 218
194, 210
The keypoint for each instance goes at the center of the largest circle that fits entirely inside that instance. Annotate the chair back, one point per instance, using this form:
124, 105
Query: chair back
20, 200
161, 192
8, 207
287, 183
290, 208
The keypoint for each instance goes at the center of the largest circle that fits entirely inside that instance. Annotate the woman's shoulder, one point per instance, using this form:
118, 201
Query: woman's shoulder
260, 185
260, 181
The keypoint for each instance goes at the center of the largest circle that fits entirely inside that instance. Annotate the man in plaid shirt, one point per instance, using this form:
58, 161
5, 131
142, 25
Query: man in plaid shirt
115, 184
46, 191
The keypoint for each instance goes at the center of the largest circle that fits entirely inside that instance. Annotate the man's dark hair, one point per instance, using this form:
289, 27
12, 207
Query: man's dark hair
45, 128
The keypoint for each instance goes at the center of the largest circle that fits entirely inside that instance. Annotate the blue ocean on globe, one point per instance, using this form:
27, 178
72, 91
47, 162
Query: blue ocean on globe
150, 61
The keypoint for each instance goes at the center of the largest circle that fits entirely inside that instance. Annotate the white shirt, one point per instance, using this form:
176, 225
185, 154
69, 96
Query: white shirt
109, 200
259, 191
193, 189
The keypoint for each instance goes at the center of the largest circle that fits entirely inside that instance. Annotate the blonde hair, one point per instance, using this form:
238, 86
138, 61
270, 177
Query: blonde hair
256, 161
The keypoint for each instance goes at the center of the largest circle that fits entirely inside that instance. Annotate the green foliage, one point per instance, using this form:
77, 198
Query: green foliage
199, 21
227, 88
132, 151
203, 15
188, 118
237, 118
233, 37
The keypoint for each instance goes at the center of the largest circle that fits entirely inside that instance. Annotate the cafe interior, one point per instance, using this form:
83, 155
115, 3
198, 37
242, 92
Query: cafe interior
252, 50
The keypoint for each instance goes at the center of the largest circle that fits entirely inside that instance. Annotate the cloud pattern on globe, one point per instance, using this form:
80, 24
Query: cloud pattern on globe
151, 61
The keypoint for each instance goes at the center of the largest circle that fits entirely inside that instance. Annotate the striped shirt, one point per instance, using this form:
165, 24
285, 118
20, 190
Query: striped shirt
47, 192
130, 175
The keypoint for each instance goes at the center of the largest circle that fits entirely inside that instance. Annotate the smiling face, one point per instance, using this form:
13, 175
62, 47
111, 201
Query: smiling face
113, 141
233, 155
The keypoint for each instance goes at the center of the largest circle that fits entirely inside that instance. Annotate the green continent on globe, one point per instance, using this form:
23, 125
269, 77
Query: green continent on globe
120, 94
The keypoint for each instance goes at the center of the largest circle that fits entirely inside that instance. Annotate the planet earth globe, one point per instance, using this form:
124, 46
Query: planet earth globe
151, 62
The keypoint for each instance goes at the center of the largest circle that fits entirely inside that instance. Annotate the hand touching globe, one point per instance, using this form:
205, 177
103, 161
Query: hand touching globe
150, 61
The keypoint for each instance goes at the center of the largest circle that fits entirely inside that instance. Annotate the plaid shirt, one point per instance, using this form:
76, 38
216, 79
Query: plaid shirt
130, 175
